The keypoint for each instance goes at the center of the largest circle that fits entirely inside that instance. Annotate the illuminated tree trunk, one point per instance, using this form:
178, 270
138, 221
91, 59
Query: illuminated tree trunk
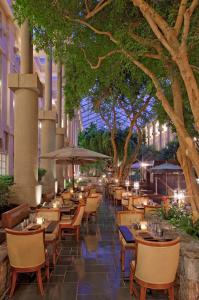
185, 162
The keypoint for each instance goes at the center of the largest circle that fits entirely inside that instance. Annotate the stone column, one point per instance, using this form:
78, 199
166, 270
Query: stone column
60, 132
48, 131
27, 88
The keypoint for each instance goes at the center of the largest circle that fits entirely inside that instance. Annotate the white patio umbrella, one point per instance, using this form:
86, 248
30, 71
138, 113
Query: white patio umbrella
75, 156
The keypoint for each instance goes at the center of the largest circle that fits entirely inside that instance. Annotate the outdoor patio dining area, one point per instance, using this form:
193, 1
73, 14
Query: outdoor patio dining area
88, 269
88, 243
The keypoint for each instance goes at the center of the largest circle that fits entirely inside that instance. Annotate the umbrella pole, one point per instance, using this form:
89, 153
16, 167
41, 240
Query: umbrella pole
73, 171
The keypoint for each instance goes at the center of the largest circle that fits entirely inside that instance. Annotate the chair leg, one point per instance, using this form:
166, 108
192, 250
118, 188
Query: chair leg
13, 283
77, 233
131, 282
143, 293
47, 270
171, 293
40, 283
123, 259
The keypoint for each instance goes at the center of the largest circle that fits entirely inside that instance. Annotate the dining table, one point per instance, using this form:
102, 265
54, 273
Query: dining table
130, 233
51, 228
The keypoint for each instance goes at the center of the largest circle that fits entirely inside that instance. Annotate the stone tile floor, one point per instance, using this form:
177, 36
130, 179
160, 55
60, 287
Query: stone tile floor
89, 270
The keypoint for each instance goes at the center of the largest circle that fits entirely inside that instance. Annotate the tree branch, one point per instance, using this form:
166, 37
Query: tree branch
195, 68
187, 20
100, 58
87, 6
97, 31
101, 4
180, 17
159, 26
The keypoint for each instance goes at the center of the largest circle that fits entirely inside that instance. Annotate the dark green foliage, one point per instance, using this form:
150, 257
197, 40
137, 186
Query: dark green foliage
41, 173
169, 152
99, 140
5, 183
182, 219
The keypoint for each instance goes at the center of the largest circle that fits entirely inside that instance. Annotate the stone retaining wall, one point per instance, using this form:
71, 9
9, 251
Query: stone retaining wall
4, 272
188, 271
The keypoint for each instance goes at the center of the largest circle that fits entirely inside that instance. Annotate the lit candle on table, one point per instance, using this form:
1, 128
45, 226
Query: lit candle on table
39, 220
143, 225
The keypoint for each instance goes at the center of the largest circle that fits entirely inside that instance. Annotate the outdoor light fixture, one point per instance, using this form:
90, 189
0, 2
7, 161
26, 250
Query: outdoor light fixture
144, 164
38, 193
179, 196
56, 187
127, 183
136, 185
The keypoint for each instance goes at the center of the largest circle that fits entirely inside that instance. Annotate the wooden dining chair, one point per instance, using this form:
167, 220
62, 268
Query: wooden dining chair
91, 207
50, 215
66, 196
72, 223
118, 196
126, 218
155, 266
26, 252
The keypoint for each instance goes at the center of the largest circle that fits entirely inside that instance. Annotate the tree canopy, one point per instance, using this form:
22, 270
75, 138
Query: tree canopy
155, 41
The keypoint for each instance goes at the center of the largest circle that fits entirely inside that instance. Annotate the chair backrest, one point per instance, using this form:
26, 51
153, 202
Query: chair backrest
59, 201
150, 210
125, 202
92, 191
49, 214
118, 194
128, 217
92, 204
77, 219
157, 262
66, 195
99, 195
25, 249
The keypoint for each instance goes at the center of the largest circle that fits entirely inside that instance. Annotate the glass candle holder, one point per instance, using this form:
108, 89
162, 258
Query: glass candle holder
143, 225
39, 220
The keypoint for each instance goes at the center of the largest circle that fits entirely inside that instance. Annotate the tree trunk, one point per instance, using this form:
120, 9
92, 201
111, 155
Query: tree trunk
192, 186
190, 84
185, 162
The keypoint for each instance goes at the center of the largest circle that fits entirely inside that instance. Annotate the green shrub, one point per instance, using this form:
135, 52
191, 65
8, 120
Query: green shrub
41, 173
182, 219
5, 183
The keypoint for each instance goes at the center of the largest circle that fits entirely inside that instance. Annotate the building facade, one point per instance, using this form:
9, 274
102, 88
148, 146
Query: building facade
10, 63
157, 135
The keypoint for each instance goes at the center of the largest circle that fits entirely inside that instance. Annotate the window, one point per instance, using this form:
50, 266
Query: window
0, 81
1, 25
3, 164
